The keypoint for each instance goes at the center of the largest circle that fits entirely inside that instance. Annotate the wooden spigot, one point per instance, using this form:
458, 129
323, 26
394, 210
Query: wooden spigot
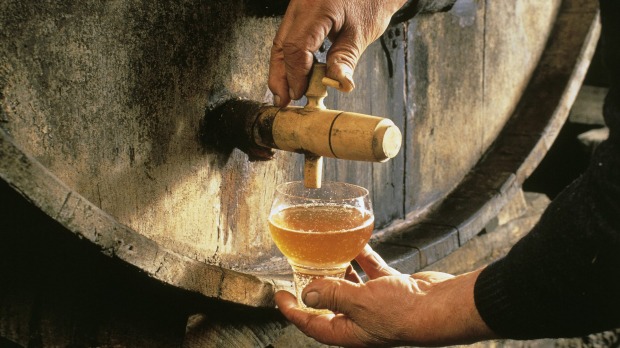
313, 170
316, 131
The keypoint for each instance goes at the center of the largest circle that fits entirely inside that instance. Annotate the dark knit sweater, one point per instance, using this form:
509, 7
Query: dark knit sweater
563, 278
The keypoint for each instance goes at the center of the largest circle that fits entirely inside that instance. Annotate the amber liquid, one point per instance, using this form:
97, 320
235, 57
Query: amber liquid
321, 236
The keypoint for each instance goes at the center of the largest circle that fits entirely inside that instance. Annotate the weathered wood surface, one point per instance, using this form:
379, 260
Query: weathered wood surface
60, 291
108, 97
101, 106
533, 125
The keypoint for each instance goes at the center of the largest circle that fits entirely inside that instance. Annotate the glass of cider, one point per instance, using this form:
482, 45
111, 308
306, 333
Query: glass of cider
320, 230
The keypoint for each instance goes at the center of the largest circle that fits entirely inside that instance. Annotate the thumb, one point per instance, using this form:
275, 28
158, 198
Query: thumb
337, 295
342, 59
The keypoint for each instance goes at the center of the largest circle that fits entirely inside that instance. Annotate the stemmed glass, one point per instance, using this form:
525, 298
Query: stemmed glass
320, 230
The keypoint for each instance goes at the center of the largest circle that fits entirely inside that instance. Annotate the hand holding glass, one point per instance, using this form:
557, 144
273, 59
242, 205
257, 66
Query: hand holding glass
320, 230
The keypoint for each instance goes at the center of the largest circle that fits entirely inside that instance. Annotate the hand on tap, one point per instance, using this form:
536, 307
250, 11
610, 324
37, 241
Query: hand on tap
351, 25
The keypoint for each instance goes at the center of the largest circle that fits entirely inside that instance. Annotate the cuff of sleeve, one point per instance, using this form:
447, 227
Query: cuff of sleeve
493, 301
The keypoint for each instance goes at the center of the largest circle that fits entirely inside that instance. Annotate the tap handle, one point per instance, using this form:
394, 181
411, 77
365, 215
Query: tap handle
316, 91
332, 83
317, 86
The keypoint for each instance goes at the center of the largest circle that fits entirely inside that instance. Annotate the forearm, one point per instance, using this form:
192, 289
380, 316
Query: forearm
448, 315
561, 279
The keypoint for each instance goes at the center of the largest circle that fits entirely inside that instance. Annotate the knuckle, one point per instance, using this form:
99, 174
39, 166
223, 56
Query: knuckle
297, 60
348, 59
276, 46
292, 49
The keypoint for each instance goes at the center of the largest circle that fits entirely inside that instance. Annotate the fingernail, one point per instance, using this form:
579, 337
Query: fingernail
349, 78
276, 100
291, 94
311, 299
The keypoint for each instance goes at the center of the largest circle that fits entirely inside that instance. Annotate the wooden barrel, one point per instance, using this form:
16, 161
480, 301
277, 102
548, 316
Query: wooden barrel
102, 105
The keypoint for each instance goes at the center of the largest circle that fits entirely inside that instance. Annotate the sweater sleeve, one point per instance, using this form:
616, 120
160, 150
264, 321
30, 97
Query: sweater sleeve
563, 278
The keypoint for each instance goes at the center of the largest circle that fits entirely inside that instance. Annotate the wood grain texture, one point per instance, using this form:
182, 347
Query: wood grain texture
519, 148
101, 107
444, 100
109, 97
515, 36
